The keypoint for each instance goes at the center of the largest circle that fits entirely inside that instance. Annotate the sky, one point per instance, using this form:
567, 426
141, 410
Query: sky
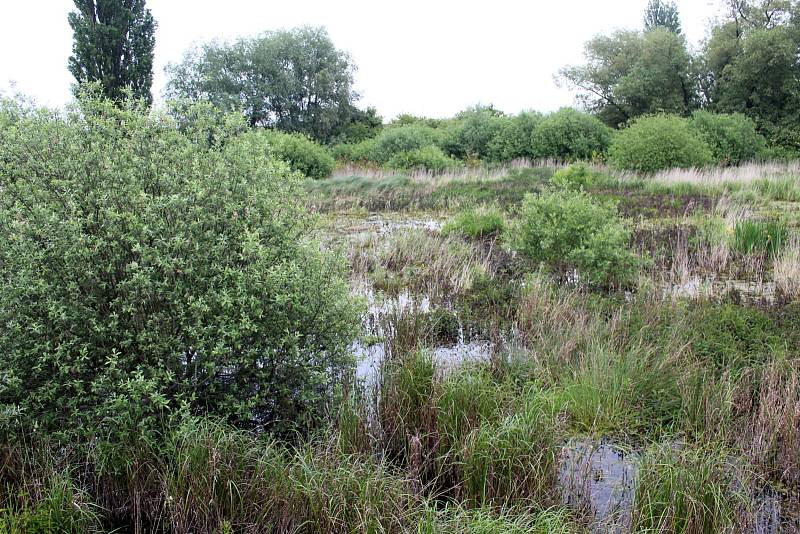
425, 57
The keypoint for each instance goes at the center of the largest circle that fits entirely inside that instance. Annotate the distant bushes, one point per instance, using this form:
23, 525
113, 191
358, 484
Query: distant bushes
570, 135
430, 157
484, 135
733, 139
569, 230
301, 153
658, 142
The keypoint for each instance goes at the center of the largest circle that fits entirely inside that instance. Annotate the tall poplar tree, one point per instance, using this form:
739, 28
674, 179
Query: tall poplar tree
113, 44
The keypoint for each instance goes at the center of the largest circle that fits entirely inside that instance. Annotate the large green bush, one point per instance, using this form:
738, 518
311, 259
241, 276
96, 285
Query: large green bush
393, 141
733, 138
570, 135
659, 142
429, 157
471, 134
514, 137
301, 153
142, 273
569, 230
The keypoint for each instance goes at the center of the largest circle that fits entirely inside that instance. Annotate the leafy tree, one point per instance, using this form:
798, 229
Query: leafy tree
629, 74
144, 274
662, 14
113, 44
301, 153
295, 81
763, 81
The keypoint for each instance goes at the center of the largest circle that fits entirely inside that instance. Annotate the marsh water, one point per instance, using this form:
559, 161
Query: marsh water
596, 478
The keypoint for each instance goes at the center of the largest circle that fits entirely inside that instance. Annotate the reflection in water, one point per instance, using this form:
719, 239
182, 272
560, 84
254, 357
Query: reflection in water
597, 479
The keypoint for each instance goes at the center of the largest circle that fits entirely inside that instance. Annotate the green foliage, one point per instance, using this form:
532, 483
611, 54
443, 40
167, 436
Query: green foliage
685, 491
762, 80
629, 74
396, 140
751, 236
569, 135
579, 176
569, 230
662, 14
732, 337
143, 274
480, 222
301, 153
430, 158
113, 45
473, 132
513, 138
293, 80
659, 142
733, 139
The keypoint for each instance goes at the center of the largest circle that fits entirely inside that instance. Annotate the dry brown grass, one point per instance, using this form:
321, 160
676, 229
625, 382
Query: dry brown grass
786, 270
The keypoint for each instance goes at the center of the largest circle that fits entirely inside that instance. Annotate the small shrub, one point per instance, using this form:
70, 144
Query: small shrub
430, 158
569, 230
659, 142
569, 135
484, 221
733, 139
578, 176
301, 153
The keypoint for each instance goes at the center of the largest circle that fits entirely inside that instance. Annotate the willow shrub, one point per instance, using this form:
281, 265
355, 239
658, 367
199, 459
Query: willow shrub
657, 142
301, 153
143, 273
569, 230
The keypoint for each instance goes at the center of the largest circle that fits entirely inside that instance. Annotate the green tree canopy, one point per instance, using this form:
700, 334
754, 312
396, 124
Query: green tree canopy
629, 74
295, 80
662, 14
113, 44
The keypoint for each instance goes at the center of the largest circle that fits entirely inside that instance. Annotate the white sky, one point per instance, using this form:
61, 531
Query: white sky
426, 57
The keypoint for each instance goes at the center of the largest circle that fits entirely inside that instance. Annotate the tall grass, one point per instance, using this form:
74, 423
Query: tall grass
786, 270
765, 237
686, 490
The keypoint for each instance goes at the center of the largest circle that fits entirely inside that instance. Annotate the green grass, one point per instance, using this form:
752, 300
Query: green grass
685, 490
751, 237
480, 222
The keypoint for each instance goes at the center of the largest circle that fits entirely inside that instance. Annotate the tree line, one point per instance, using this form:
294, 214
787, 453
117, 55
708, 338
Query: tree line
298, 81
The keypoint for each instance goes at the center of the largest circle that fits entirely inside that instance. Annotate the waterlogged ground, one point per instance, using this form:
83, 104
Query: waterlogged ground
408, 272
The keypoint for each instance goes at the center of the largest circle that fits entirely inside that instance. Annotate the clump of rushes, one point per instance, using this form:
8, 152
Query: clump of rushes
479, 222
760, 237
505, 521
786, 270
513, 461
406, 410
420, 261
685, 490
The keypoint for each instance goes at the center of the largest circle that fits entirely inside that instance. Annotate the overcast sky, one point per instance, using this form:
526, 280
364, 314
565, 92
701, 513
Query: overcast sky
426, 57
